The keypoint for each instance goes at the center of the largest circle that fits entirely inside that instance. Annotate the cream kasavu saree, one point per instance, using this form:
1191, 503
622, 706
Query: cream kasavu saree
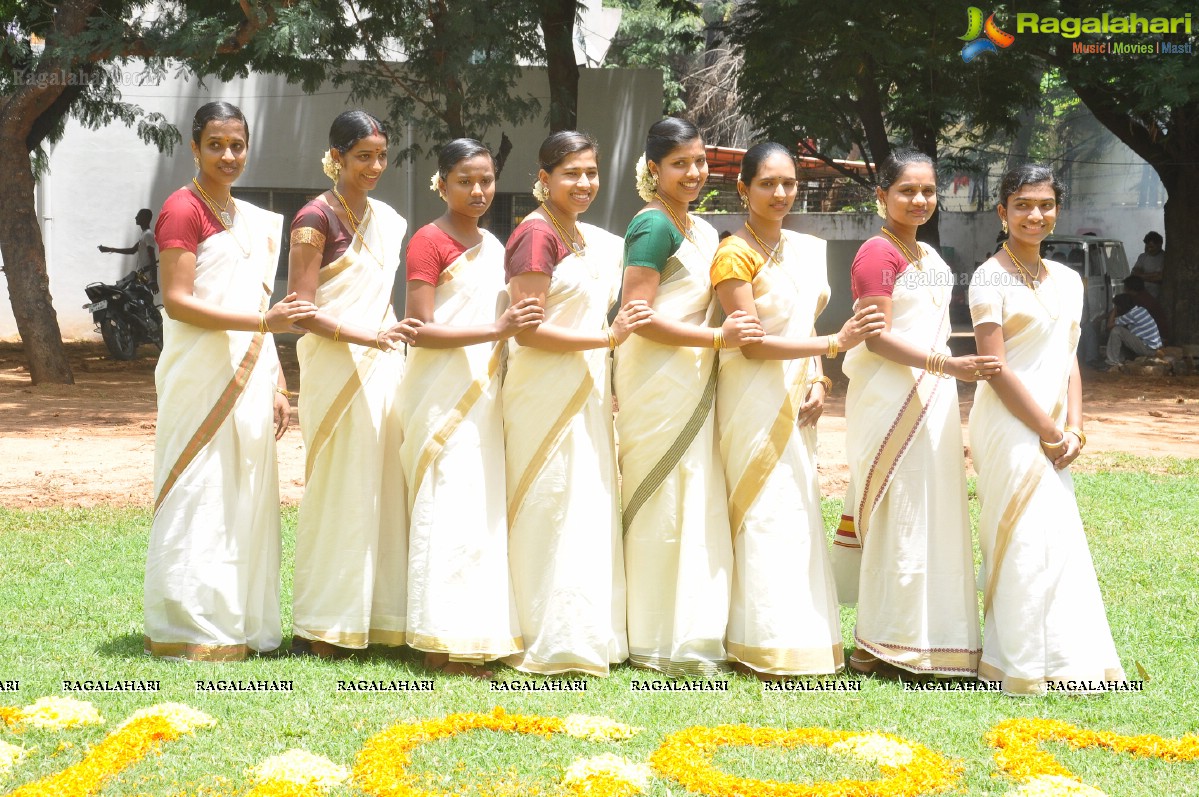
564, 544
1043, 615
351, 539
212, 569
917, 602
784, 617
459, 593
678, 550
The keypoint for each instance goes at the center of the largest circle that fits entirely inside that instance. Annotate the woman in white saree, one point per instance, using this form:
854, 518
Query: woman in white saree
460, 606
678, 550
908, 525
564, 543
212, 569
784, 618
1044, 624
351, 538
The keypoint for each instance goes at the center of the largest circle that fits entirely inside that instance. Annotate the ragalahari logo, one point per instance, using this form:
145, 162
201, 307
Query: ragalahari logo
993, 38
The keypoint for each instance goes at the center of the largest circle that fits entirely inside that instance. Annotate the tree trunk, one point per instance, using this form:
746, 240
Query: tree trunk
25, 267
1182, 255
557, 27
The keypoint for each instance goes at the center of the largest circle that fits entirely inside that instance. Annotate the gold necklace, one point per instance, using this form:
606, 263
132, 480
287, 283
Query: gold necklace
774, 254
222, 214
356, 223
1034, 283
579, 245
686, 231
915, 261
220, 211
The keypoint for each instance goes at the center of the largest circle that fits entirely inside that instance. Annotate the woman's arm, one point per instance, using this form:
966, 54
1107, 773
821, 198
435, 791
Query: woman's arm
642, 283
552, 337
177, 278
1012, 392
419, 304
735, 294
905, 352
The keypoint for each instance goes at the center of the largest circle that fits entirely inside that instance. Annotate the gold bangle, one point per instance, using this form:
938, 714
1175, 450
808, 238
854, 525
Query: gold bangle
337, 332
1080, 434
718, 339
378, 341
828, 384
284, 392
262, 323
612, 341
833, 347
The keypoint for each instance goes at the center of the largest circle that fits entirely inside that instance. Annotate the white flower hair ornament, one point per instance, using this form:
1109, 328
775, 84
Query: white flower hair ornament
331, 167
435, 184
647, 181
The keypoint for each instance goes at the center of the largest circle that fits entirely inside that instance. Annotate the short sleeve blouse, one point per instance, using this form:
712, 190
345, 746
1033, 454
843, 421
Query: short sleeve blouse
184, 221
316, 225
875, 269
650, 240
533, 246
735, 260
430, 252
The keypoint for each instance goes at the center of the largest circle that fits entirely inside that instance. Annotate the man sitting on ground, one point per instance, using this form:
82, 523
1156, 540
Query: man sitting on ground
1131, 327
1134, 286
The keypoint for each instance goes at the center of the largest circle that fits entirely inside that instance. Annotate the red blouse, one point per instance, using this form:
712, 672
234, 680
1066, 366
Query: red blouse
430, 252
876, 267
184, 221
533, 246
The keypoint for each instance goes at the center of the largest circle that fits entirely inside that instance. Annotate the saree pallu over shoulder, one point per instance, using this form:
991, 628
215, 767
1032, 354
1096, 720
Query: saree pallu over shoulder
351, 535
917, 606
215, 472
784, 617
563, 512
678, 549
1044, 615
459, 592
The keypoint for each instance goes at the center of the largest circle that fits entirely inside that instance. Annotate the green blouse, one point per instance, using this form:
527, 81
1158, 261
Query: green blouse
650, 240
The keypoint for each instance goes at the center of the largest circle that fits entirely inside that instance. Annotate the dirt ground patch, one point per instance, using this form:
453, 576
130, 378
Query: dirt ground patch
93, 442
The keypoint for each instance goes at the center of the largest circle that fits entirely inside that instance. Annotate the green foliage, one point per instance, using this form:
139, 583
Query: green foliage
460, 69
659, 34
852, 78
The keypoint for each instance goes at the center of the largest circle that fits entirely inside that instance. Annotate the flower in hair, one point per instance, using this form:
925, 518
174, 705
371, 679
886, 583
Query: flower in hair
647, 182
331, 167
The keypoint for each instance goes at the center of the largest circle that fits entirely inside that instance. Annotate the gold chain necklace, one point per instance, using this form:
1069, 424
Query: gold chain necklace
1033, 283
222, 214
220, 211
915, 261
686, 231
356, 223
576, 245
774, 254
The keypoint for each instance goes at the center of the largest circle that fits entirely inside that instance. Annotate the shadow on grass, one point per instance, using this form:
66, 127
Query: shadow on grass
125, 646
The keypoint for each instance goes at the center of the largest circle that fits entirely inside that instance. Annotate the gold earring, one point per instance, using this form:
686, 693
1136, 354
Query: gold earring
880, 208
744, 200
1003, 224
196, 160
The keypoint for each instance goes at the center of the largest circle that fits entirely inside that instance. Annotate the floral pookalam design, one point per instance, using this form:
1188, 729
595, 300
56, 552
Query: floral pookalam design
382, 768
1018, 753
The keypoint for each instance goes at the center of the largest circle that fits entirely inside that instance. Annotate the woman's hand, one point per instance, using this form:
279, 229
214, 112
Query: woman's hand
525, 314
400, 332
976, 368
282, 414
287, 312
867, 322
813, 406
1063, 451
741, 328
636, 313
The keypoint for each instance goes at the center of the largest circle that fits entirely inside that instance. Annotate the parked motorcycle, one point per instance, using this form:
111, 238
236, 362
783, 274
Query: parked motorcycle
125, 314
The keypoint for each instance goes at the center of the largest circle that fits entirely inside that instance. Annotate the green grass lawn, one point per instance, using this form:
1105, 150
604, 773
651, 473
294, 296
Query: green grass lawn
70, 608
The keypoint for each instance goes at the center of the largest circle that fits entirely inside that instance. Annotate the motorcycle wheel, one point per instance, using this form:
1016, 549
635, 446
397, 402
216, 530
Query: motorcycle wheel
118, 337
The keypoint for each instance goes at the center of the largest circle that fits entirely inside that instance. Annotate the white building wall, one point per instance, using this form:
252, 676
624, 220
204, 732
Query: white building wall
99, 179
